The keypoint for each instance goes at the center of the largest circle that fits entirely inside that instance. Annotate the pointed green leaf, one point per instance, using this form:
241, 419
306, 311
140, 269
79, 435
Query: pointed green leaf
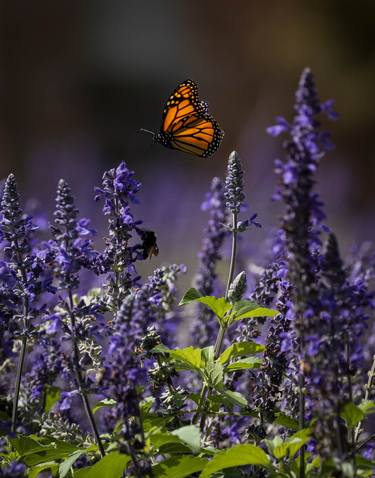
168, 443
190, 435
296, 441
352, 414
66, 465
235, 398
277, 447
240, 349
286, 421
243, 306
239, 455
219, 306
190, 356
367, 407
106, 402
51, 396
243, 364
255, 313
190, 296
179, 467
110, 466
214, 374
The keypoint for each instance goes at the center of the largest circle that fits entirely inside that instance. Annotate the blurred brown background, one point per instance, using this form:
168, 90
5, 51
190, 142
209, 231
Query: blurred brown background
79, 78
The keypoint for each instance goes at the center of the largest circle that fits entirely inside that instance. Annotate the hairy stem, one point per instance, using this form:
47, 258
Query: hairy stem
223, 329
301, 423
21, 360
79, 378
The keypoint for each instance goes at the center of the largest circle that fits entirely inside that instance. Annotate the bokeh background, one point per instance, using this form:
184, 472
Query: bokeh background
79, 78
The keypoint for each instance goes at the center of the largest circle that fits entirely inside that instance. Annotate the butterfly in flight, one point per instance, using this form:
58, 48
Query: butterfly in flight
186, 124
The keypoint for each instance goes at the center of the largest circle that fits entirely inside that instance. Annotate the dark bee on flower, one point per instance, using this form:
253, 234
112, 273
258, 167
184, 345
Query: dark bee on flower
149, 246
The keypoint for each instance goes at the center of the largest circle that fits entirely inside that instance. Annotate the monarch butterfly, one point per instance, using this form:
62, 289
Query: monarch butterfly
186, 124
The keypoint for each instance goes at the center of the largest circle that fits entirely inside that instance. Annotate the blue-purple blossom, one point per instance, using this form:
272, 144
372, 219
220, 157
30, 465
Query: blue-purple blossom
71, 246
15, 469
119, 191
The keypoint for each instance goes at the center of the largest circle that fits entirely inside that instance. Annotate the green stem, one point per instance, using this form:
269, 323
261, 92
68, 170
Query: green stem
79, 378
221, 334
301, 386
21, 359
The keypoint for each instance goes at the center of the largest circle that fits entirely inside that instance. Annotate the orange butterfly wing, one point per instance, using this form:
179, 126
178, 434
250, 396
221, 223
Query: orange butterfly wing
186, 124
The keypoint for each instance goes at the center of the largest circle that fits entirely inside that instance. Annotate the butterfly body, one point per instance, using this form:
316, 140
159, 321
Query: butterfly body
186, 124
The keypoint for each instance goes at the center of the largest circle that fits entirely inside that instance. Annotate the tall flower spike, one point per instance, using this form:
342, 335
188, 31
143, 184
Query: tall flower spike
21, 276
302, 223
119, 190
205, 328
72, 251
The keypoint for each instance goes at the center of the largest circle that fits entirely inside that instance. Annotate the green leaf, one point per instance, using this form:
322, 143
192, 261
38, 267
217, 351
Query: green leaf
190, 435
179, 467
240, 349
315, 464
167, 443
367, 407
219, 306
250, 362
25, 445
190, 296
66, 465
34, 453
106, 402
296, 441
36, 470
51, 396
243, 306
214, 374
254, 313
110, 466
235, 398
352, 414
277, 447
190, 356
286, 421
239, 455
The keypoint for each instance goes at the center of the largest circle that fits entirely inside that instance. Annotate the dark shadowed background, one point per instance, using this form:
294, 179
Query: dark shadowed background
79, 78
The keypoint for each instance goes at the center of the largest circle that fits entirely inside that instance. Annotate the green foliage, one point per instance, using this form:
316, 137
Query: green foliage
111, 466
179, 467
106, 402
352, 414
240, 349
226, 312
51, 397
239, 455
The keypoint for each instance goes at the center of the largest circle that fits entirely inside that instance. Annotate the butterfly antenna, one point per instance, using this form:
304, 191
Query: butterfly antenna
142, 130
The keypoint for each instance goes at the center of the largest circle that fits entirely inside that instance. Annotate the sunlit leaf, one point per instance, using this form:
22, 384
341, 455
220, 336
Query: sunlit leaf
51, 396
219, 306
243, 364
110, 466
106, 402
352, 414
239, 455
240, 349
179, 467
